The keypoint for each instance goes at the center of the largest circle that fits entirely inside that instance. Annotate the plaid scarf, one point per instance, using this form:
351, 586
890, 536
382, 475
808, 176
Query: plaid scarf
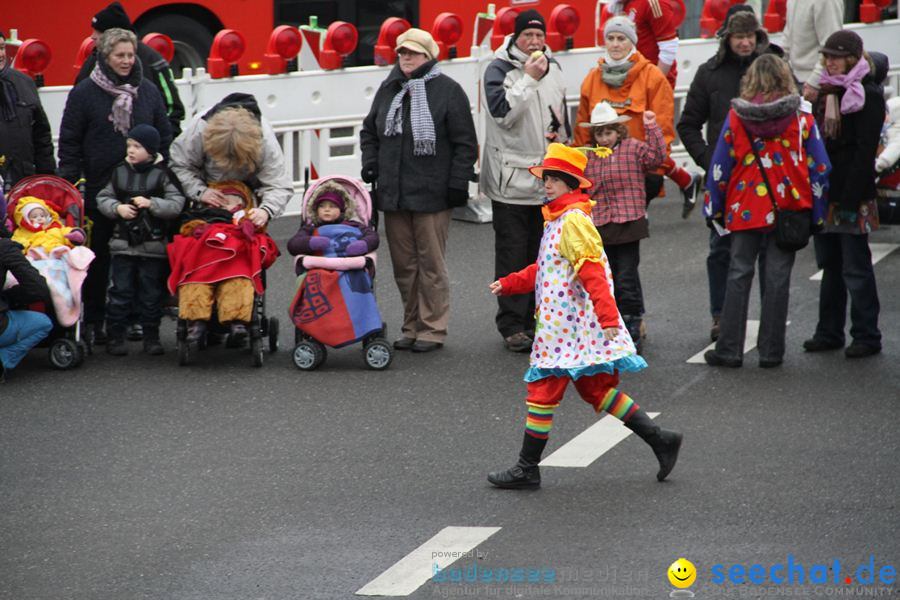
8, 96
123, 94
424, 140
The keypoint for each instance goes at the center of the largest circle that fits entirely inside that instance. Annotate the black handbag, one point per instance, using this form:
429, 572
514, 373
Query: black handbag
792, 227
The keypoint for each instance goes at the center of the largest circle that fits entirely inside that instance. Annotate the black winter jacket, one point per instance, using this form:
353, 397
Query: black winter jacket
157, 71
852, 177
32, 285
25, 141
89, 145
716, 83
420, 183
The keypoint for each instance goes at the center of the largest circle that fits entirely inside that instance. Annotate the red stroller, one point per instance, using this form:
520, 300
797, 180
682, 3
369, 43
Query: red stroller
67, 347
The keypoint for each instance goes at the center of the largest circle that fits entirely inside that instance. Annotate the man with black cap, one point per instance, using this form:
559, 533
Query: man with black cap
524, 94
26, 146
716, 83
154, 67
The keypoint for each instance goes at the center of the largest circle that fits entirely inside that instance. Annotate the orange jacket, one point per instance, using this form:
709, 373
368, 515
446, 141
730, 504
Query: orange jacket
645, 88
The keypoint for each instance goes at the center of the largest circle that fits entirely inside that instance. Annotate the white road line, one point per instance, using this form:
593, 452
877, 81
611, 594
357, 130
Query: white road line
414, 569
879, 251
749, 343
590, 444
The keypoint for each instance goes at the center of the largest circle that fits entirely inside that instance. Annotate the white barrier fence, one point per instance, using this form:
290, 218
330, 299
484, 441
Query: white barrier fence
317, 114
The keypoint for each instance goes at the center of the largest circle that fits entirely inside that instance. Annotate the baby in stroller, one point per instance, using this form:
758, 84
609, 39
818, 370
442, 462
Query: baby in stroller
218, 260
48, 215
335, 304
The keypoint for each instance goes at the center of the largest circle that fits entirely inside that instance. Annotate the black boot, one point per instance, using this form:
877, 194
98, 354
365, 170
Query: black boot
665, 444
525, 473
115, 342
195, 331
152, 345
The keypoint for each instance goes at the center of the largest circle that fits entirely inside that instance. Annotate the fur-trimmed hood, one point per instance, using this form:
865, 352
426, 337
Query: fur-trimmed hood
767, 119
350, 213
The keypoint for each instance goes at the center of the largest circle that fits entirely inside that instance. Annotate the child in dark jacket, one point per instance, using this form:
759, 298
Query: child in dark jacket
331, 205
143, 197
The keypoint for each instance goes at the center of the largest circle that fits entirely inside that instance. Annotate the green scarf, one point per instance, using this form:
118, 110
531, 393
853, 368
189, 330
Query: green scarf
614, 76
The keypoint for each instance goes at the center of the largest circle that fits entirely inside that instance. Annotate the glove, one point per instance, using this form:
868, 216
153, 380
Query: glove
319, 243
370, 174
356, 248
457, 197
76, 236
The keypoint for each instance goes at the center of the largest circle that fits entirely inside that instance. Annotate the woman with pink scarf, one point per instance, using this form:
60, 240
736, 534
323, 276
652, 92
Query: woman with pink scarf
100, 110
850, 112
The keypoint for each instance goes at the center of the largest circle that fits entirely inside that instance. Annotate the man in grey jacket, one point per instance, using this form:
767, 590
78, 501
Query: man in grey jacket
524, 94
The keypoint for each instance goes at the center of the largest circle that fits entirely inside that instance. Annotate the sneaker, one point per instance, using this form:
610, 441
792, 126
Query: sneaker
860, 350
134, 333
690, 194
518, 342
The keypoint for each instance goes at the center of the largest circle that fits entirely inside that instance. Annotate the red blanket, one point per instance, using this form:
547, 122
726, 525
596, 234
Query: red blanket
221, 251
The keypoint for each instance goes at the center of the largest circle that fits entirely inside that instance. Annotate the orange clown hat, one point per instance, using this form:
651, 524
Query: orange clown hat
567, 160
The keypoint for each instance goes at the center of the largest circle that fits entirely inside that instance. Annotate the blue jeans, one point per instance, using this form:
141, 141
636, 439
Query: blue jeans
23, 332
846, 263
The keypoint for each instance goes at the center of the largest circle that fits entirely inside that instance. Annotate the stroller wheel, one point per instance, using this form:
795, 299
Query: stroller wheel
308, 355
273, 334
378, 354
256, 352
184, 353
64, 354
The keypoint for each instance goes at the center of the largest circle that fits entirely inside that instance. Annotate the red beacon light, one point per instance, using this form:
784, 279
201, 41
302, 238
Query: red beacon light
33, 58
870, 10
564, 22
446, 31
84, 50
227, 48
284, 45
340, 40
387, 40
504, 24
774, 18
162, 44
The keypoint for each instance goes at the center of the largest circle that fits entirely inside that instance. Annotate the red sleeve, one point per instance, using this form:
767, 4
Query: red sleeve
662, 20
593, 277
520, 282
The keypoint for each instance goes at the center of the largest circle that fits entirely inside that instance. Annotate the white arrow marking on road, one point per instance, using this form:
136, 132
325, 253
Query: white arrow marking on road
590, 444
879, 251
414, 569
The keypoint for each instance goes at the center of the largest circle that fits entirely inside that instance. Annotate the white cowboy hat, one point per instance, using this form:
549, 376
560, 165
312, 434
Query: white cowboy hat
604, 114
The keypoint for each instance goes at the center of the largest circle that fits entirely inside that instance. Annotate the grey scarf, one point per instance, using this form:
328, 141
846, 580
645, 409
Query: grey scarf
614, 75
123, 94
424, 139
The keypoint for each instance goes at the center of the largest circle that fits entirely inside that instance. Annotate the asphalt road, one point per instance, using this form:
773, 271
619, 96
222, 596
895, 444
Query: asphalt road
133, 478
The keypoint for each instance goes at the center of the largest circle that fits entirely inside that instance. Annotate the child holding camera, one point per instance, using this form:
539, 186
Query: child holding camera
142, 196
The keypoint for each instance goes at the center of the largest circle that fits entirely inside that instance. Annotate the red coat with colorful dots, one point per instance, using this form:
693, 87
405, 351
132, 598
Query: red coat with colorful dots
796, 165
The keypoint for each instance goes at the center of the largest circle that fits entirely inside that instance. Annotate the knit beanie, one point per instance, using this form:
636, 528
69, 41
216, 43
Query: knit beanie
330, 196
113, 15
843, 43
529, 19
623, 25
146, 136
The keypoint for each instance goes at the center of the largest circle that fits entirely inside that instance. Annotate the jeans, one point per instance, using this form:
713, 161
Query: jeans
136, 279
745, 247
623, 261
846, 262
717, 270
24, 330
517, 239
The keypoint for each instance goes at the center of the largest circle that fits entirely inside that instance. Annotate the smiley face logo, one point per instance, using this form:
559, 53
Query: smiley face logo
682, 573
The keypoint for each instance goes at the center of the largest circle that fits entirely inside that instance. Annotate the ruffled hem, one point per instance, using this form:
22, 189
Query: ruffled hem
631, 363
